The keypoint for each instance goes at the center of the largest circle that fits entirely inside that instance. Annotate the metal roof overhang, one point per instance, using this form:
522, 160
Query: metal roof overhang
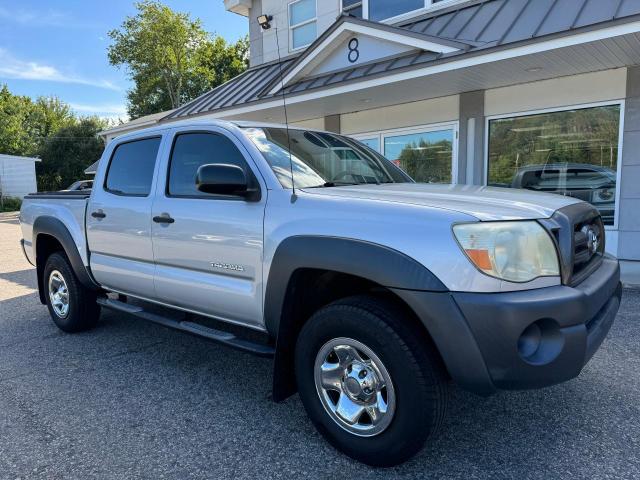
591, 49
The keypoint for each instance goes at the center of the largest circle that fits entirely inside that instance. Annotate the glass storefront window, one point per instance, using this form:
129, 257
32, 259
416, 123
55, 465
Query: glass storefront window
571, 152
372, 143
426, 156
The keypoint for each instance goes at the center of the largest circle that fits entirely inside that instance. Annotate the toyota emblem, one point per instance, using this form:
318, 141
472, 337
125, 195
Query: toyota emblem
593, 242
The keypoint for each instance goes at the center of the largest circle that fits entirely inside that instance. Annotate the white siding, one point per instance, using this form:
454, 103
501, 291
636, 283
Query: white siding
17, 176
558, 92
326, 10
425, 112
313, 124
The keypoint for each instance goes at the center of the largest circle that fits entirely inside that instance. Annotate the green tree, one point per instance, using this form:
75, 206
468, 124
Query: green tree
428, 162
47, 116
220, 61
68, 152
25, 123
171, 58
14, 115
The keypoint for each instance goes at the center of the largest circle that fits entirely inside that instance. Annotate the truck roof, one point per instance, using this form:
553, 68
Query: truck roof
209, 122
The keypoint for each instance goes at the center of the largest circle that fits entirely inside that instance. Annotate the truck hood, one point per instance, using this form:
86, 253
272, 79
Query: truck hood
484, 203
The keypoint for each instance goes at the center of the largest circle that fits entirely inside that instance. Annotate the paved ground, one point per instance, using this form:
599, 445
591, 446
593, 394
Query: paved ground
132, 400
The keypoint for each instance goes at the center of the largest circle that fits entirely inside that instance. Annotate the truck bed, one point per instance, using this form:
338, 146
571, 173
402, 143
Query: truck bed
68, 207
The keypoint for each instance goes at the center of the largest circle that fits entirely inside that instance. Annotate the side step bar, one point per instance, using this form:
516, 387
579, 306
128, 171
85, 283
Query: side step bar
219, 336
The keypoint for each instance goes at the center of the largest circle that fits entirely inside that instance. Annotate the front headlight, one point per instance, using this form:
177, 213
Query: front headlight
514, 251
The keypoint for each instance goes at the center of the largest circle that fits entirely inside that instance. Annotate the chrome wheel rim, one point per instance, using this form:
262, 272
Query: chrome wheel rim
355, 387
58, 294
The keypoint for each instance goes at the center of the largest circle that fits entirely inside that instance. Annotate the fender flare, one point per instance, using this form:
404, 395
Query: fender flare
377, 263
55, 228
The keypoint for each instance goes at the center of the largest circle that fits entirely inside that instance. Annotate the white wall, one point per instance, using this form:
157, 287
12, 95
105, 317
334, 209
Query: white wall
327, 11
424, 112
17, 176
557, 92
313, 124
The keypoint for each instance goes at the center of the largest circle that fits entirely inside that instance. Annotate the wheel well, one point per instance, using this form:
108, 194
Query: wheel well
45, 245
308, 291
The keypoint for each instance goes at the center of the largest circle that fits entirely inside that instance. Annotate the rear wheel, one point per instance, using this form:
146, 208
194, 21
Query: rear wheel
72, 306
370, 380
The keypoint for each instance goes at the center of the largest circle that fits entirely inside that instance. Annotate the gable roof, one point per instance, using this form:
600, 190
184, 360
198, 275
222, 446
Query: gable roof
468, 28
347, 26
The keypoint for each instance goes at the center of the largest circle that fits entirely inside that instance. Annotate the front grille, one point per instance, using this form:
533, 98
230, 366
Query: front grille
579, 233
588, 248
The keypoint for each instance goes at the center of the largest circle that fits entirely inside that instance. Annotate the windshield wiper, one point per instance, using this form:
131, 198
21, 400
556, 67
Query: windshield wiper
323, 185
334, 184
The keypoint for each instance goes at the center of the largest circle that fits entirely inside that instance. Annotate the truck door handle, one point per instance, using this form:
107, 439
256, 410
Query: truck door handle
164, 218
98, 214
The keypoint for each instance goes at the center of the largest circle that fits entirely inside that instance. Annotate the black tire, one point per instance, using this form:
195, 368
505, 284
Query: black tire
408, 354
83, 311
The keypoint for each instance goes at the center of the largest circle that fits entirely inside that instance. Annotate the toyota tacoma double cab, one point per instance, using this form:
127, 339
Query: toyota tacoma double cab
371, 292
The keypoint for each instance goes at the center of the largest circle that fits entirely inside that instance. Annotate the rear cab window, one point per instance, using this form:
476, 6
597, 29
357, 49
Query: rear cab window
131, 168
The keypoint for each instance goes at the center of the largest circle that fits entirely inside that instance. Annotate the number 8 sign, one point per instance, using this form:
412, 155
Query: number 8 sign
354, 53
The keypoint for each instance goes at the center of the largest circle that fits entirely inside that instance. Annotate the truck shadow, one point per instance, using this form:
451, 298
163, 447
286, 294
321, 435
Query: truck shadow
24, 278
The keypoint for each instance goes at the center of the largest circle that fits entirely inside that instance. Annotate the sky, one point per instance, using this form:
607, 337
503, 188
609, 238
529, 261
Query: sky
59, 48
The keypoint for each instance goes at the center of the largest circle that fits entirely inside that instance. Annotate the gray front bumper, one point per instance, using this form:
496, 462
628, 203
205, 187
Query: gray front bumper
573, 321
480, 335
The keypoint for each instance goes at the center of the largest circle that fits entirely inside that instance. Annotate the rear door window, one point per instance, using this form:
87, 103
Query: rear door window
131, 168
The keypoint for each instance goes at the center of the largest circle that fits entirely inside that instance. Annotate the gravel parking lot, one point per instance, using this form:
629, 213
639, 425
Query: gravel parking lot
133, 400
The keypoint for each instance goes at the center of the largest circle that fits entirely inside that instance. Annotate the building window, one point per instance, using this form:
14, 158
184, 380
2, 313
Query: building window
383, 9
379, 10
427, 154
372, 142
353, 7
572, 152
302, 23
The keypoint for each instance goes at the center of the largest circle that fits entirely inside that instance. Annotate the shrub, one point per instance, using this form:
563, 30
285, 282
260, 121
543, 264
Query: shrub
10, 204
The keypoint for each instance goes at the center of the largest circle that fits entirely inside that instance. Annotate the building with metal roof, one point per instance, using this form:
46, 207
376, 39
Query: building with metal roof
493, 89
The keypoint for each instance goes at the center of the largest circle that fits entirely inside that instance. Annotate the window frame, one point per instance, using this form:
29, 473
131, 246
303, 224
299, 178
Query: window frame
454, 126
359, 3
153, 175
251, 176
580, 106
291, 27
429, 6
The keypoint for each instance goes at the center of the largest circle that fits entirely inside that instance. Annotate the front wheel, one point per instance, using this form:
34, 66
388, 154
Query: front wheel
370, 380
72, 306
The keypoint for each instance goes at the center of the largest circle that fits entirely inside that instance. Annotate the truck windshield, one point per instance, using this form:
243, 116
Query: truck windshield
320, 159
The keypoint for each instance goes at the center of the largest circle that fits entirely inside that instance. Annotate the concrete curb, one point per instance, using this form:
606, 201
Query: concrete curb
9, 215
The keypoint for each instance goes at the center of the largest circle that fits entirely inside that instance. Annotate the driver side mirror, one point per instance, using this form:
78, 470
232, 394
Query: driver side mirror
223, 179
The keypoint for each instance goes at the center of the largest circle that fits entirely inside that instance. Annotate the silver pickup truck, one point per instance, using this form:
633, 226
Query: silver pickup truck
371, 292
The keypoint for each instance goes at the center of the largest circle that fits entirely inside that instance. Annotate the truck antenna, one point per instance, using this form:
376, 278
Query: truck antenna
265, 22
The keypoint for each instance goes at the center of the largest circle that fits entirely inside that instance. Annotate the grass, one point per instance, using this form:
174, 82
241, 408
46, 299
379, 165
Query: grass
10, 204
